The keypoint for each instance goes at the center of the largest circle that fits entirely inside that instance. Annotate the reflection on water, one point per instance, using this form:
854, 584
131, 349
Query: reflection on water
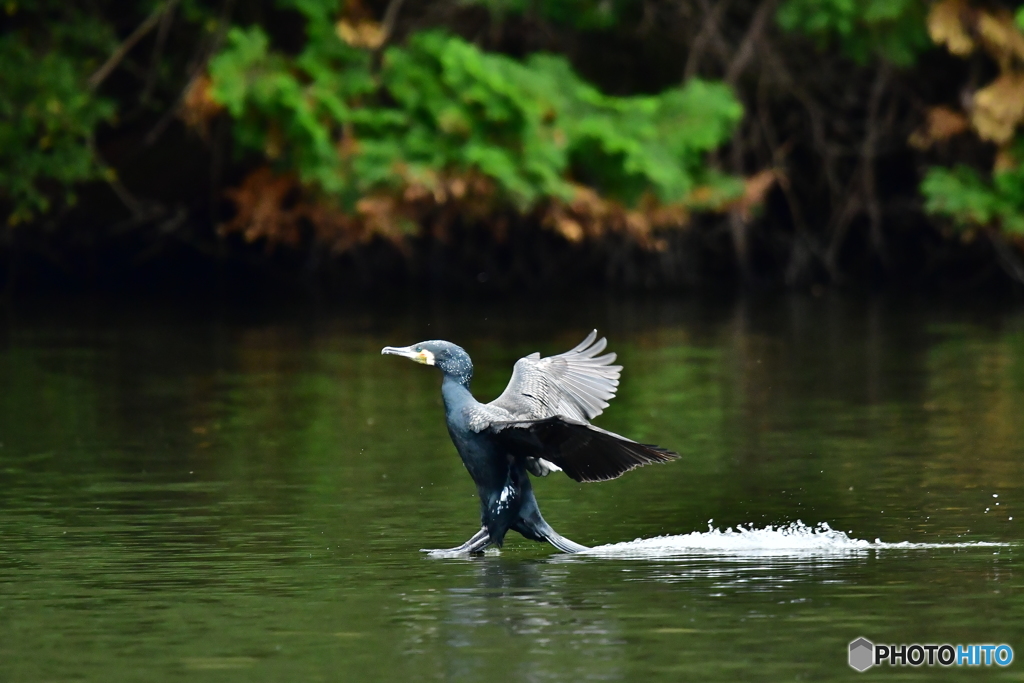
233, 497
464, 631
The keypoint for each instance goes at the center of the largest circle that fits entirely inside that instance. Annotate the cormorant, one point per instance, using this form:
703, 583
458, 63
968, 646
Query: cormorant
539, 424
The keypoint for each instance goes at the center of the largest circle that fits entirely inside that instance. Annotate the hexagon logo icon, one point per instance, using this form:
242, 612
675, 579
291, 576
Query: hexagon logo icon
862, 654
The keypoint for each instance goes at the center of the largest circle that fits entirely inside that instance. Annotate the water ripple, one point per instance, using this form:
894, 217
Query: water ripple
794, 539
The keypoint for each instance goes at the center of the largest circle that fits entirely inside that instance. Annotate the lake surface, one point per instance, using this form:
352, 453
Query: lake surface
242, 496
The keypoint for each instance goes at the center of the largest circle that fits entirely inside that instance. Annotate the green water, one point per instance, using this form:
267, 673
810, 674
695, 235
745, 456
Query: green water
242, 497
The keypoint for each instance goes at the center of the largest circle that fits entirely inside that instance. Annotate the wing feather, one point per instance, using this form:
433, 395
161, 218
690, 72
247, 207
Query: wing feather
581, 450
576, 384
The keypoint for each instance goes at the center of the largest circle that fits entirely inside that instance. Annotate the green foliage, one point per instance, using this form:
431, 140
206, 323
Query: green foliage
526, 124
440, 104
47, 113
293, 110
962, 195
345, 125
891, 29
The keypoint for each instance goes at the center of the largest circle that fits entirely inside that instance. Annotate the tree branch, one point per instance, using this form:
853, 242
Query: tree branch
203, 56
746, 50
708, 31
158, 48
1009, 261
868, 154
387, 24
124, 48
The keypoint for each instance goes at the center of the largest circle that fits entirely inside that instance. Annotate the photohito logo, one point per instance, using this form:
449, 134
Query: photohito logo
864, 654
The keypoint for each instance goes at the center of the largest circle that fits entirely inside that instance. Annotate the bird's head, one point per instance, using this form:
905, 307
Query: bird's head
447, 357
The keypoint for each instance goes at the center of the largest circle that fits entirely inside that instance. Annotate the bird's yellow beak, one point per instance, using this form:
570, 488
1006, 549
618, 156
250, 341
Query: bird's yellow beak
421, 356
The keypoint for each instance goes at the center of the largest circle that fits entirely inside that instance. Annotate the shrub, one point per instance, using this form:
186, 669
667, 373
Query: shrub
530, 132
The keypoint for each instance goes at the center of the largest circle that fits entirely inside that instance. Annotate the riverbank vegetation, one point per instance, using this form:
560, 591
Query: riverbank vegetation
353, 144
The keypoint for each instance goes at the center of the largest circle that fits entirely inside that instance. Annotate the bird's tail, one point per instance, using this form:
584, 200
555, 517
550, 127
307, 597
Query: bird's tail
563, 543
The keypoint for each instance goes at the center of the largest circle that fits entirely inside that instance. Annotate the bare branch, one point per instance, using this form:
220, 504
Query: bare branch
708, 32
841, 220
158, 49
868, 154
124, 48
747, 48
818, 117
1008, 259
203, 56
390, 19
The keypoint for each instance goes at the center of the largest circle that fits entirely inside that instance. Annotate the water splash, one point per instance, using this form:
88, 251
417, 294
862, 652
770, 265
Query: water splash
791, 540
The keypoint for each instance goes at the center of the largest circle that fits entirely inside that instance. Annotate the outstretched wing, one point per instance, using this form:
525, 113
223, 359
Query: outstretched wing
576, 384
581, 450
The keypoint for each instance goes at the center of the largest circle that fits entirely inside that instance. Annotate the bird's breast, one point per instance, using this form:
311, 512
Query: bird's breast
487, 464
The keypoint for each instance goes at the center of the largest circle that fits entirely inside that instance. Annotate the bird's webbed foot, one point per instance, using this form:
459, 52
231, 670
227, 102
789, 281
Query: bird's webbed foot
476, 544
533, 527
564, 544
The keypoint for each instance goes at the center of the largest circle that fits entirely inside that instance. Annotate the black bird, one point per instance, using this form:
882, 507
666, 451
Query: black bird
539, 425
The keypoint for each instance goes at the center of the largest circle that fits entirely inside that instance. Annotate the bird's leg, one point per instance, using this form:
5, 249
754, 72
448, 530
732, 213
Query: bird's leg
481, 543
563, 543
531, 524
477, 543
542, 531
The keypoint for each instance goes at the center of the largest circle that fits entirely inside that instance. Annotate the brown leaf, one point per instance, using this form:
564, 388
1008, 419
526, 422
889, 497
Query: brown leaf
569, 229
457, 187
755, 189
263, 210
638, 225
702, 194
586, 201
198, 108
999, 107
1001, 37
362, 34
940, 124
1006, 160
670, 216
946, 26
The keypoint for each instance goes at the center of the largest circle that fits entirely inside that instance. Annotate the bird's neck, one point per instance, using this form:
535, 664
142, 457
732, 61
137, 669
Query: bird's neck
455, 392
457, 368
